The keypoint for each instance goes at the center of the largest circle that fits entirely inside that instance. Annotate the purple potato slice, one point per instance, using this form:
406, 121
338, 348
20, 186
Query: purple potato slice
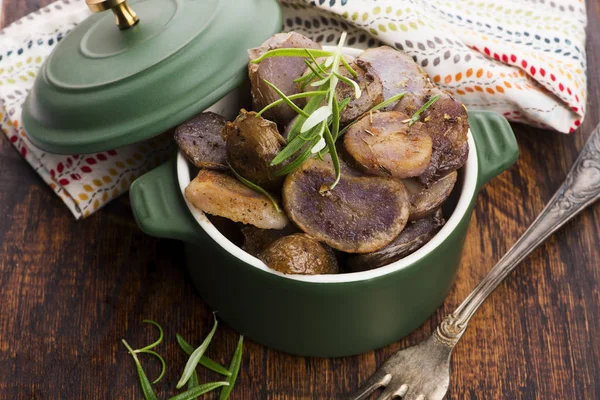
200, 141
360, 215
413, 237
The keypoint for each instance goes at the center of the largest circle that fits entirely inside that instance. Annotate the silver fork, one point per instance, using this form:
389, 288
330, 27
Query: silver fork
422, 372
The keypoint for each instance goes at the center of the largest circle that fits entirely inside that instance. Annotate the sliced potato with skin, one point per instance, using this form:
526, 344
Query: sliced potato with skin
398, 73
360, 215
382, 144
200, 141
371, 91
280, 71
251, 143
300, 254
424, 200
447, 123
413, 237
220, 194
256, 240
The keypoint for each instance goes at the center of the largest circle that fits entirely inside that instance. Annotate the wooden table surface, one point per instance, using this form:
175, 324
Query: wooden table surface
70, 290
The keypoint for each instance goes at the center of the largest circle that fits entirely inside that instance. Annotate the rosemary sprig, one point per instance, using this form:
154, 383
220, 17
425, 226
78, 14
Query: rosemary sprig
292, 52
255, 187
199, 390
205, 361
234, 369
334, 158
388, 102
290, 97
287, 99
424, 107
317, 126
194, 359
144, 381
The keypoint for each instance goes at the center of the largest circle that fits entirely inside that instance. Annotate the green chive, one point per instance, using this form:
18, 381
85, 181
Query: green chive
205, 361
287, 52
198, 391
424, 107
190, 366
255, 187
234, 368
144, 382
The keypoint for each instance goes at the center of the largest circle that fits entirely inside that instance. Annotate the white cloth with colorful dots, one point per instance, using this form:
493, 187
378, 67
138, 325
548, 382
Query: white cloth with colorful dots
522, 58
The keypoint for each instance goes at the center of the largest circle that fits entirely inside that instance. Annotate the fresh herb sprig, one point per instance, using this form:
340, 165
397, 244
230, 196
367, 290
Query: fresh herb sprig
189, 374
318, 123
234, 369
424, 107
144, 381
195, 357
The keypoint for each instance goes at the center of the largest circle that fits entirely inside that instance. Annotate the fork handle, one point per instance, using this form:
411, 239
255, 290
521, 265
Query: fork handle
580, 189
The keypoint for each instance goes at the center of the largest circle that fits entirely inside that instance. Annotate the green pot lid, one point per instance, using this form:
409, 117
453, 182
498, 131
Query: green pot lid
104, 88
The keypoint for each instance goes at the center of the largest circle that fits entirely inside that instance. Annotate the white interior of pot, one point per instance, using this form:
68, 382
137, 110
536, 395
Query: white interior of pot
229, 107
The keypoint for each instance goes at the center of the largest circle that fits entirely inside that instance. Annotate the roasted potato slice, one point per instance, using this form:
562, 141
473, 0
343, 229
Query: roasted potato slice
220, 194
300, 254
446, 121
280, 71
256, 240
361, 215
424, 200
200, 141
384, 144
398, 73
371, 91
413, 237
251, 143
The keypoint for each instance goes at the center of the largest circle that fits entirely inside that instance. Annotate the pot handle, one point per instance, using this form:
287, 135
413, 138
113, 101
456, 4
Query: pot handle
496, 144
159, 208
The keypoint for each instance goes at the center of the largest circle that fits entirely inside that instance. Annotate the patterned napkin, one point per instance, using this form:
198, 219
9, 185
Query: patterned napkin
522, 58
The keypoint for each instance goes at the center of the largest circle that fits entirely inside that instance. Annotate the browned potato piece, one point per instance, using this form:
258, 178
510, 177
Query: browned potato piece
382, 144
219, 194
446, 120
256, 240
447, 123
370, 86
398, 73
361, 215
200, 141
424, 200
252, 142
300, 254
280, 71
412, 238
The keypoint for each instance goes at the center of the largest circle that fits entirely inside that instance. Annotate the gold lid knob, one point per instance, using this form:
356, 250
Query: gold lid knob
125, 16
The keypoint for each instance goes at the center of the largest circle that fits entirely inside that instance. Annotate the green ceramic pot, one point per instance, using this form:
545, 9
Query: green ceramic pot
323, 315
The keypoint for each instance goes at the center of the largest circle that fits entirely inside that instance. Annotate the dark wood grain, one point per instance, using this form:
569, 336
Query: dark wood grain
69, 291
